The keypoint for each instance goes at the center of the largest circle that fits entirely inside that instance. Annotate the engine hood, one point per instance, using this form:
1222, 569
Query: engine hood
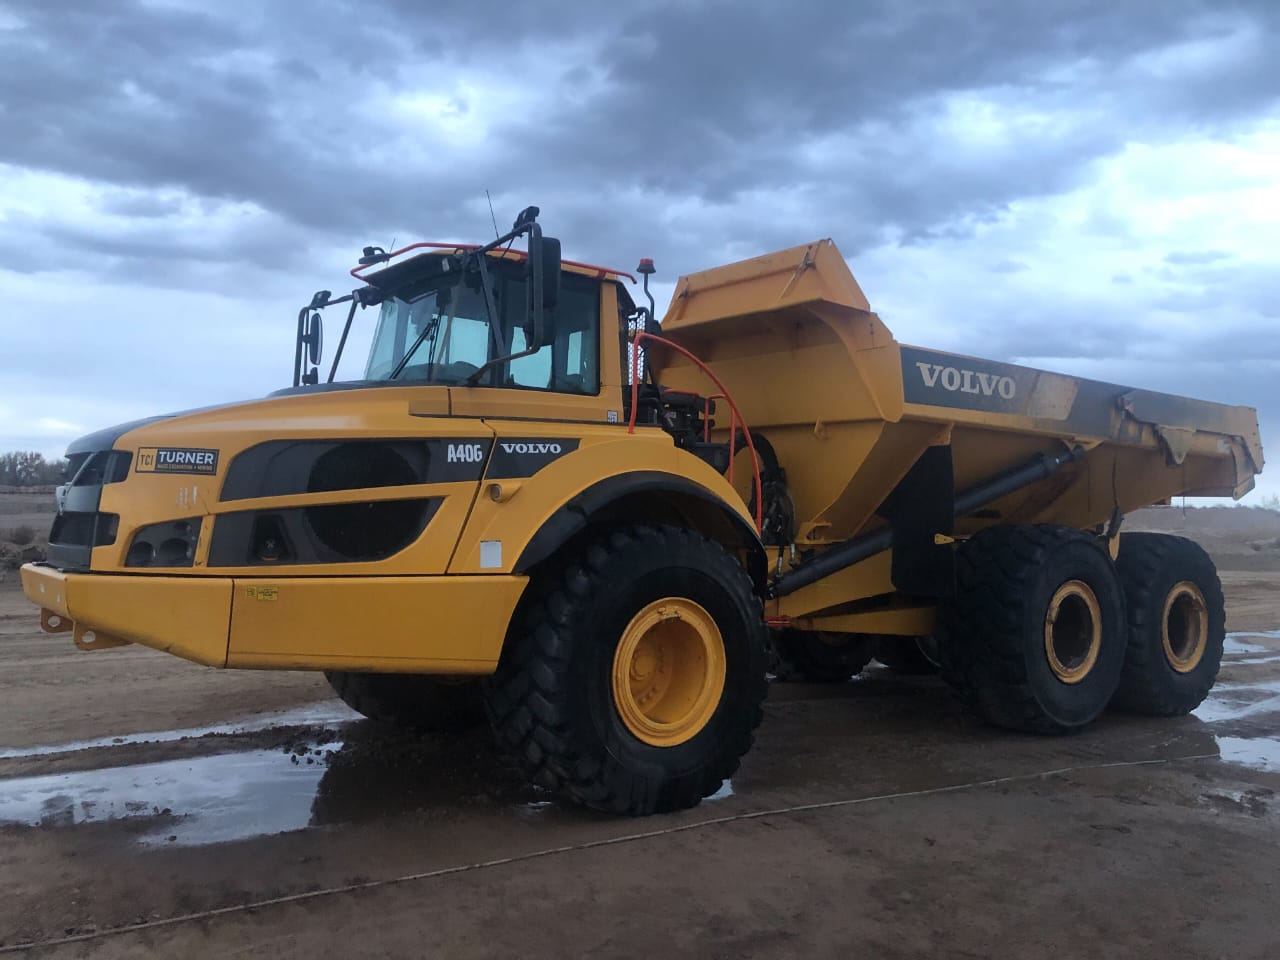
358, 409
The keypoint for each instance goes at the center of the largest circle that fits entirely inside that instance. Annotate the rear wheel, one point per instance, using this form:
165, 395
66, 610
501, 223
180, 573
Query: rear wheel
634, 676
415, 701
1177, 622
818, 657
1035, 637
909, 655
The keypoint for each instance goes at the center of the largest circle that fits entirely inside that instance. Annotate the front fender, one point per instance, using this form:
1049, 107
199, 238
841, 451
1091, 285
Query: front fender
524, 521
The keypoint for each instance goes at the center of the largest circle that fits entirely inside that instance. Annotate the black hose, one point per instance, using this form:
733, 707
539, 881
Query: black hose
849, 552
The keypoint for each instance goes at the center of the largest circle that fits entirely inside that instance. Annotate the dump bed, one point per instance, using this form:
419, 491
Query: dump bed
849, 410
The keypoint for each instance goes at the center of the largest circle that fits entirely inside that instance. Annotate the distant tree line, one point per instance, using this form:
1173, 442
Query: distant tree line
26, 468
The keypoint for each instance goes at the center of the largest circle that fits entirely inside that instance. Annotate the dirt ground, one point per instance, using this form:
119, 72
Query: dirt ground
151, 807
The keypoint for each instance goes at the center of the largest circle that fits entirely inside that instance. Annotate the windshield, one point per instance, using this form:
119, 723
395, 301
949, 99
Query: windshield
447, 336
449, 328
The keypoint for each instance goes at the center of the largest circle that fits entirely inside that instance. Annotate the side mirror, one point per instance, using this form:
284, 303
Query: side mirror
544, 288
314, 338
550, 272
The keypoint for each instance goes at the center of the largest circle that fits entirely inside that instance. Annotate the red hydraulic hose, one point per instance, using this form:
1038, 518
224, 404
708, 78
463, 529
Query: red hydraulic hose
733, 409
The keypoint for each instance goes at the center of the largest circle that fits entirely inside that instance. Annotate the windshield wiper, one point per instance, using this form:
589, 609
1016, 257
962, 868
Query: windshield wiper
428, 330
404, 361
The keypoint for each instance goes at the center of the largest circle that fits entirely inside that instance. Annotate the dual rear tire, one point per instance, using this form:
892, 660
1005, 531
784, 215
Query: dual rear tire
817, 657
1045, 631
911, 656
1176, 624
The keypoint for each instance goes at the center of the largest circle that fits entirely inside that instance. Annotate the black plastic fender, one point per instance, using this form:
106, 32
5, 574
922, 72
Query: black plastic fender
648, 495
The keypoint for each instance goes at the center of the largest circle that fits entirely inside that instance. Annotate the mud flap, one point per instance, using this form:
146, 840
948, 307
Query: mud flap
921, 507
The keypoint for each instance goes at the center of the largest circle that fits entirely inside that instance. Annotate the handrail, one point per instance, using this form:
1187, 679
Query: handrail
601, 272
735, 415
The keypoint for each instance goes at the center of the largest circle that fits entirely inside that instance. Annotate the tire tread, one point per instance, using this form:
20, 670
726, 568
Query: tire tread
528, 698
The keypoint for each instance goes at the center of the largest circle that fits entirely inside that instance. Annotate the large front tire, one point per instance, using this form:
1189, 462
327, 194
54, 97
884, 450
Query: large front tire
634, 676
1177, 623
1034, 639
419, 702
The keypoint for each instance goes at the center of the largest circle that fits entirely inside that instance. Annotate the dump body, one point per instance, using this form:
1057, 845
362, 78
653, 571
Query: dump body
850, 412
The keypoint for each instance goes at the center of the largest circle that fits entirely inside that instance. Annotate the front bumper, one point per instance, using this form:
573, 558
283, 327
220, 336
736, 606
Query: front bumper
439, 624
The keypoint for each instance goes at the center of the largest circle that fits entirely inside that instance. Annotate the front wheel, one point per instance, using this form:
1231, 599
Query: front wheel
634, 677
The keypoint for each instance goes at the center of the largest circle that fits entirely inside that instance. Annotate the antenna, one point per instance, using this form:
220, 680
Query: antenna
491, 214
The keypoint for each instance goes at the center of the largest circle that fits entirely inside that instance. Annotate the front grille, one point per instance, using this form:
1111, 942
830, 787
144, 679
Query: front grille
80, 525
75, 534
84, 529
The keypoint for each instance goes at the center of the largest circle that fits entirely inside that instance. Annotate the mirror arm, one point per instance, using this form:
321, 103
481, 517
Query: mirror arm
297, 349
490, 304
535, 278
535, 341
342, 341
500, 241
471, 380
534, 230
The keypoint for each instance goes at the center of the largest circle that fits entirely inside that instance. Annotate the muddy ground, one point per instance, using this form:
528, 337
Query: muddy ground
871, 819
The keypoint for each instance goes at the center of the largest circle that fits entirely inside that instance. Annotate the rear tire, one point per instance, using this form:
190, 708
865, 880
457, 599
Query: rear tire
817, 657
632, 680
914, 656
420, 702
1034, 640
1176, 624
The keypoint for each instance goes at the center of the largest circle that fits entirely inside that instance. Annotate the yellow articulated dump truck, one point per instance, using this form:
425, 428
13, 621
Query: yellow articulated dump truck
540, 505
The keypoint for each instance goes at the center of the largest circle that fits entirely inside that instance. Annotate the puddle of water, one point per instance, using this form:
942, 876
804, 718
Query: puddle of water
725, 791
1235, 796
224, 797
1258, 753
1230, 701
326, 714
367, 775
1218, 709
1239, 642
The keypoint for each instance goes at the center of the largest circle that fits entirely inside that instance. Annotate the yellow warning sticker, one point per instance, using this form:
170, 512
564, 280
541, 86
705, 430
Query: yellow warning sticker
263, 593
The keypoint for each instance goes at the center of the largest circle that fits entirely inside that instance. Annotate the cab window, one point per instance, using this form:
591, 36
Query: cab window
571, 362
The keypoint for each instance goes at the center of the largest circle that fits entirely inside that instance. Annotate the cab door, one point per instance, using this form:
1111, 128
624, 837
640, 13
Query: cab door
573, 378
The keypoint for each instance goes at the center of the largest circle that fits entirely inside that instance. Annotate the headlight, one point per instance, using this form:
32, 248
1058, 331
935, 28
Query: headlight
168, 544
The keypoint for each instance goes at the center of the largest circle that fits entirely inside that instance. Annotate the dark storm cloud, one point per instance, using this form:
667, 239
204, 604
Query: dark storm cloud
1221, 312
632, 108
240, 149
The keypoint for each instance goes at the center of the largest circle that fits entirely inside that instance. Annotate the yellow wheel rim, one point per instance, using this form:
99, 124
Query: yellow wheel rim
668, 672
1185, 627
1073, 631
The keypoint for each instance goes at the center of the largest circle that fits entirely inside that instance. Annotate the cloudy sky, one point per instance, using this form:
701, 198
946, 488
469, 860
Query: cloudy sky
1091, 186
